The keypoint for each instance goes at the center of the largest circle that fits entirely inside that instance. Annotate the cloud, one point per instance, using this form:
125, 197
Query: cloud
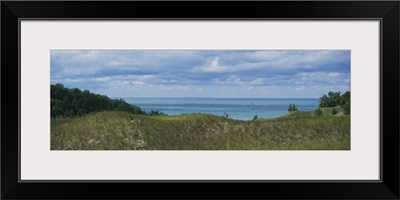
257, 81
137, 83
232, 80
333, 74
213, 66
151, 72
102, 79
301, 88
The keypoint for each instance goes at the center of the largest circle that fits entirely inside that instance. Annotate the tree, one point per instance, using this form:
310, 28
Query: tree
344, 98
152, 113
345, 102
346, 108
334, 99
330, 100
292, 108
65, 102
255, 117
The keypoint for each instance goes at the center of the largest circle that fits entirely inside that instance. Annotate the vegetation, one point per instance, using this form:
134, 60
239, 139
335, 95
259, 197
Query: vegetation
125, 131
73, 102
346, 108
318, 112
155, 112
330, 100
127, 127
345, 102
255, 117
334, 99
292, 108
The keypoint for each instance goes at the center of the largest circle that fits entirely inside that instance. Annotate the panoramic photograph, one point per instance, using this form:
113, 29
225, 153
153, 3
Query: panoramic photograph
200, 99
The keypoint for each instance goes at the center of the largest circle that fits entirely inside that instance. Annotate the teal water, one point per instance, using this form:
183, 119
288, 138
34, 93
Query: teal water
236, 108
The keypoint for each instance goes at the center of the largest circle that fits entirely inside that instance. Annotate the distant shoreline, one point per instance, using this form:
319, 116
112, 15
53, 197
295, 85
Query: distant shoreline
234, 108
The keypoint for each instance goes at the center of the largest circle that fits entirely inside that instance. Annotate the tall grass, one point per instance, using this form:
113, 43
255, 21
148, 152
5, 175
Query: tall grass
125, 131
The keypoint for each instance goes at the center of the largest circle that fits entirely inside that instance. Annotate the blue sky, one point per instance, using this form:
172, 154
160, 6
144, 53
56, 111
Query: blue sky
203, 73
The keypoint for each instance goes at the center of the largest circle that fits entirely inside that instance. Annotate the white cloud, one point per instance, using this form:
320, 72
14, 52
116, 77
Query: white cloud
257, 81
212, 67
137, 83
73, 80
168, 81
232, 80
333, 74
103, 79
301, 88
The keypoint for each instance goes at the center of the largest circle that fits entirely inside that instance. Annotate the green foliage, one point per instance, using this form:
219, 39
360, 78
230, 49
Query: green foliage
65, 102
318, 112
334, 99
344, 99
345, 103
330, 100
156, 112
346, 108
255, 117
292, 108
334, 111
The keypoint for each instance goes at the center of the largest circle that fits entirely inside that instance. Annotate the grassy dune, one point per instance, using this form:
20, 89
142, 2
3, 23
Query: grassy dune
113, 130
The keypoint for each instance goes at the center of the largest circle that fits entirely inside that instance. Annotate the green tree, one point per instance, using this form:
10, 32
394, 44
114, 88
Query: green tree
155, 112
346, 108
344, 98
345, 102
330, 100
292, 108
65, 102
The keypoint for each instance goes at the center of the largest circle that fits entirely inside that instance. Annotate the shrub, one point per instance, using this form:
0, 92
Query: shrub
292, 108
334, 111
346, 108
255, 117
156, 112
318, 112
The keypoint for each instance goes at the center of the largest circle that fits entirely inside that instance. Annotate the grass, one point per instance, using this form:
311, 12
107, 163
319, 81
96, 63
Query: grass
113, 130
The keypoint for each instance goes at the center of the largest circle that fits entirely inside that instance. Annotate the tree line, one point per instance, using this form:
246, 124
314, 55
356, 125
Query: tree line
332, 99
70, 102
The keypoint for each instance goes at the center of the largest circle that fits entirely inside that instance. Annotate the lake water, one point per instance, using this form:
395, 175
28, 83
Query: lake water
236, 108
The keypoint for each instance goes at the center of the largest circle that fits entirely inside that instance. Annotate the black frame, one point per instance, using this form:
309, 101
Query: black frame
386, 11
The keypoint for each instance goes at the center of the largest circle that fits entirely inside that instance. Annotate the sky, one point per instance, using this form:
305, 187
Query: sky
203, 73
